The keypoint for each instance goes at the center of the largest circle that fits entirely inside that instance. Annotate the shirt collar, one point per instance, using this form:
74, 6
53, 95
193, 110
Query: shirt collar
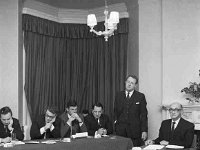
177, 121
130, 93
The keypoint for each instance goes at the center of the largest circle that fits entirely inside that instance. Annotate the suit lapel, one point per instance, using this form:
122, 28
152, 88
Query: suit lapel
133, 98
178, 125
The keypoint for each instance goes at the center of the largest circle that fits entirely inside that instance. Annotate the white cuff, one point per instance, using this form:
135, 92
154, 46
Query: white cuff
52, 127
68, 123
42, 130
80, 124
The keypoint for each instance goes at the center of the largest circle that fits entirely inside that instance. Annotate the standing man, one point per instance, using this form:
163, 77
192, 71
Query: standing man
9, 125
46, 126
175, 131
131, 112
71, 121
97, 123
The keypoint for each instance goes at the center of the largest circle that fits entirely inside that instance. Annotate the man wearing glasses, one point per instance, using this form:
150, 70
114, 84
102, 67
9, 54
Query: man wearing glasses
46, 126
175, 131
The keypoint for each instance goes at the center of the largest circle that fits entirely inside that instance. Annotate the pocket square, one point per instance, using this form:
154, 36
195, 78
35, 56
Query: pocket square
137, 103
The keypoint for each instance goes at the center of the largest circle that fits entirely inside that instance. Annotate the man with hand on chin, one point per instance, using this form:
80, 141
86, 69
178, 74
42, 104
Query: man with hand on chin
71, 121
46, 126
9, 125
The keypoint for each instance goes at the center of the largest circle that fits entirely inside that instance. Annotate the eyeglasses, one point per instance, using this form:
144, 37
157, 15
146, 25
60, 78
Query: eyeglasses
174, 110
51, 117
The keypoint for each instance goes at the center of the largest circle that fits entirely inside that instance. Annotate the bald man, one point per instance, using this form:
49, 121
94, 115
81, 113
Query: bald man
175, 131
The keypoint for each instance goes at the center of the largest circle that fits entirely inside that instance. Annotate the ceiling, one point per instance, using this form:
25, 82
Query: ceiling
79, 4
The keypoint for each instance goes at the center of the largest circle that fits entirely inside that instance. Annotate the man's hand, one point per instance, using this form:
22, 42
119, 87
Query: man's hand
6, 140
104, 131
149, 142
53, 120
76, 116
144, 136
100, 131
10, 125
164, 143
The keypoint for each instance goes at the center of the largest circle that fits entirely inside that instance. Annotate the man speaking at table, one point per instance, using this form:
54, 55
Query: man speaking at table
71, 121
97, 123
46, 126
131, 112
9, 125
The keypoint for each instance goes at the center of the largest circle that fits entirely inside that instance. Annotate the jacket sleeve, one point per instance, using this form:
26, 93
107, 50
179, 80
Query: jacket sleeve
160, 137
189, 135
116, 105
17, 130
83, 126
88, 124
143, 114
109, 126
64, 128
56, 131
35, 131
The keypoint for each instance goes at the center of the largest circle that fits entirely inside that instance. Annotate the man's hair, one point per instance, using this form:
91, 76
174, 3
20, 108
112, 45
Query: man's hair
85, 111
52, 109
71, 104
134, 77
97, 104
178, 104
5, 110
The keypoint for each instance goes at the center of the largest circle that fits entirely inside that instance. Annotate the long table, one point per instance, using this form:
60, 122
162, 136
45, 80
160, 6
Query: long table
104, 143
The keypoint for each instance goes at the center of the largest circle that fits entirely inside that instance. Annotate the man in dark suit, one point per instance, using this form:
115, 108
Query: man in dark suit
46, 126
131, 112
9, 125
71, 121
98, 124
175, 131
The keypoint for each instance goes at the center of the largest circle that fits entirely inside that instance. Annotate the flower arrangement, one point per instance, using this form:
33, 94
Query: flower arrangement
193, 91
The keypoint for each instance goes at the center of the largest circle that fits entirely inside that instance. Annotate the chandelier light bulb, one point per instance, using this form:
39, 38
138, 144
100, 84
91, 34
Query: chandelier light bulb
110, 24
114, 17
91, 20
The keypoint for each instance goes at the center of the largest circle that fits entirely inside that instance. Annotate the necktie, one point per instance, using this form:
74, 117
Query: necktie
172, 129
128, 96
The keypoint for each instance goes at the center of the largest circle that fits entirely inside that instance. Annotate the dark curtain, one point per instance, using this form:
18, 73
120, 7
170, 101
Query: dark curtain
66, 62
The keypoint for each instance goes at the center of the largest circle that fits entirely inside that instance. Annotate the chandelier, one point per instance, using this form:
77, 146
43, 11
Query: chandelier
110, 23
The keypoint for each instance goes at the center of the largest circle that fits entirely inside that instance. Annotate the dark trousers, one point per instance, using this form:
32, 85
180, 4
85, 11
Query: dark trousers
123, 129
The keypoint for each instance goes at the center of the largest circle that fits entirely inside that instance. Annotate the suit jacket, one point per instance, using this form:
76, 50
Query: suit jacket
17, 130
183, 133
93, 125
76, 128
39, 123
137, 116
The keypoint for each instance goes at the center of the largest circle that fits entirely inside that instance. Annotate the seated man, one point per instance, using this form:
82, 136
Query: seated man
9, 125
85, 112
71, 121
175, 131
98, 124
46, 126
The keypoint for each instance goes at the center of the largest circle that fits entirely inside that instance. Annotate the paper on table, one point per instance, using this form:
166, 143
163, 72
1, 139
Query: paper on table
17, 142
174, 146
153, 146
49, 142
32, 142
136, 148
80, 135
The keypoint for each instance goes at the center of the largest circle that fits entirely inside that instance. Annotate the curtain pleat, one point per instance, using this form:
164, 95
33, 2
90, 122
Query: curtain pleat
66, 62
